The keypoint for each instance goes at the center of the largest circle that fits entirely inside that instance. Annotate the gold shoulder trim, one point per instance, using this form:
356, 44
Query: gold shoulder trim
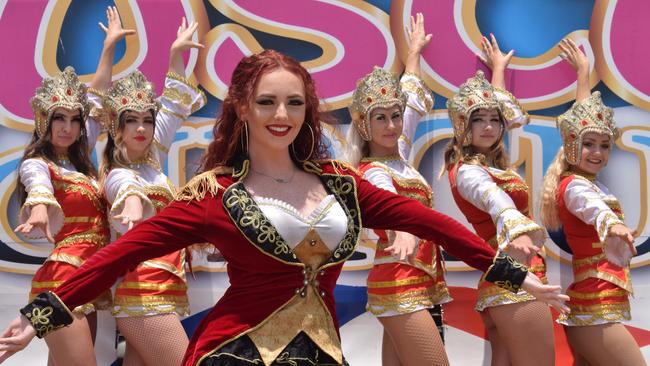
202, 184
339, 165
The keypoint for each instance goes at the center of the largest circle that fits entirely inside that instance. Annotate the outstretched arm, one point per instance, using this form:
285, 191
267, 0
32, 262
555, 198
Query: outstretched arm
418, 39
494, 59
579, 61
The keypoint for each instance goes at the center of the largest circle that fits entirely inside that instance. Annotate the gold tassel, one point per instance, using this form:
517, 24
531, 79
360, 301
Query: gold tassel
202, 184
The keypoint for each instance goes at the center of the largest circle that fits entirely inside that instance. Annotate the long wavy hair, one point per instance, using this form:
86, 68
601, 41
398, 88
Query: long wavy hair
548, 203
229, 145
115, 155
497, 156
41, 147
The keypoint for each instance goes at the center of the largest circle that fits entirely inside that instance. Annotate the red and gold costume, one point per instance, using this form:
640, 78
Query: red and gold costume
272, 287
600, 289
494, 201
76, 210
77, 221
395, 286
158, 285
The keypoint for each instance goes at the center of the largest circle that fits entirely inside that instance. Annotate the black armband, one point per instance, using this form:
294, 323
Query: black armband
47, 313
506, 273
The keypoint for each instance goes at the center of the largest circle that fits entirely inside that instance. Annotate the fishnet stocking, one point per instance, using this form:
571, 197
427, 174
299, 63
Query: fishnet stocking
158, 340
605, 344
415, 339
525, 330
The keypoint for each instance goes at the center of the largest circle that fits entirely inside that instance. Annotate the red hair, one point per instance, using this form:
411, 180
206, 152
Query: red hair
228, 144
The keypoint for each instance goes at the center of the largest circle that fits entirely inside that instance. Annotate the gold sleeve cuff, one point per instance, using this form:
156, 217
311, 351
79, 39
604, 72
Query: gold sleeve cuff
54, 212
605, 224
513, 226
508, 113
193, 98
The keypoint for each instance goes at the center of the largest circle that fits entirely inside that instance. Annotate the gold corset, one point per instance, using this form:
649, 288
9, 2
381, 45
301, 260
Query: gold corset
305, 312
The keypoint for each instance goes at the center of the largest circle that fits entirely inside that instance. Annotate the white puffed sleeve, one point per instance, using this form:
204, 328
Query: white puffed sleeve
476, 186
120, 184
93, 127
180, 98
513, 112
380, 178
418, 105
584, 199
35, 176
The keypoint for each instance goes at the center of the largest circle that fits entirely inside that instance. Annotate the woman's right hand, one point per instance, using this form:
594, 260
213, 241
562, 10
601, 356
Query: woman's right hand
574, 56
492, 56
132, 213
37, 219
549, 294
522, 249
16, 337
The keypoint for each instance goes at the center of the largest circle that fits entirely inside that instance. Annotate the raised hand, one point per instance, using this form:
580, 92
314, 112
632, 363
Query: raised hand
551, 295
574, 55
15, 337
418, 39
403, 246
184, 35
38, 218
114, 31
492, 56
182, 43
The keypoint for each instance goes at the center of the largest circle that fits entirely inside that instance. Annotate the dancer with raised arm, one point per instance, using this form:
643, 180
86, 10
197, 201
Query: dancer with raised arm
574, 200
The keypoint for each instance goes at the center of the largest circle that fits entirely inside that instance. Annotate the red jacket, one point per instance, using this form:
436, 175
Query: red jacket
264, 273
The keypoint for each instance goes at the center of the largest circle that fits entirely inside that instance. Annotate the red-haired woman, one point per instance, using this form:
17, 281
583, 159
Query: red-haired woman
283, 218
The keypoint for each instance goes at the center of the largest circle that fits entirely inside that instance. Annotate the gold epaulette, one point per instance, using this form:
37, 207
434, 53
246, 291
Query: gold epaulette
339, 165
202, 184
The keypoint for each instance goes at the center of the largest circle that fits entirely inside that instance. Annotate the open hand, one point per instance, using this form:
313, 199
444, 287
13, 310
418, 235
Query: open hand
522, 249
114, 31
619, 246
37, 219
492, 56
184, 35
574, 55
551, 295
15, 337
418, 38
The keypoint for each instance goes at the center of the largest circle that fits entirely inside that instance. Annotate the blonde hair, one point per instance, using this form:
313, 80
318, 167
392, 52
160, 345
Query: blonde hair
356, 148
548, 204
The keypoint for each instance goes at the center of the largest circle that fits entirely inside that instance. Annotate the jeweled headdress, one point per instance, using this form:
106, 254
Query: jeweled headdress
477, 93
588, 115
133, 92
379, 89
63, 90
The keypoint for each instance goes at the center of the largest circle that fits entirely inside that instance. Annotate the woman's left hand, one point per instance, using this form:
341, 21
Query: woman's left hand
184, 35
114, 31
549, 294
418, 38
492, 56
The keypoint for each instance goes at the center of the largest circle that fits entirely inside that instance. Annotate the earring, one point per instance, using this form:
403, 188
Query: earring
313, 142
244, 136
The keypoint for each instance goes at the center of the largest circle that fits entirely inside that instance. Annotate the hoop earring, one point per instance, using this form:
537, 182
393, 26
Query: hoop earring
244, 137
313, 142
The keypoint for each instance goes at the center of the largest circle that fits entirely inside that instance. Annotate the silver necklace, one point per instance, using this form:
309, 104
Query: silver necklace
277, 180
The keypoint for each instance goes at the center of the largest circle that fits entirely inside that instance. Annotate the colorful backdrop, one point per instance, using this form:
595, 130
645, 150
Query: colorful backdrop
339, 41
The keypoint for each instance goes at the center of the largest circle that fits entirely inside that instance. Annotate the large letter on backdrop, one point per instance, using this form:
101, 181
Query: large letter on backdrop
353, 37
539, 82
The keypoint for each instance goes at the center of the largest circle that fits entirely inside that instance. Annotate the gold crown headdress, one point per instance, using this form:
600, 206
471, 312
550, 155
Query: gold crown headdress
379, 89
477, 93
588, 115
63, 90
133, 92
